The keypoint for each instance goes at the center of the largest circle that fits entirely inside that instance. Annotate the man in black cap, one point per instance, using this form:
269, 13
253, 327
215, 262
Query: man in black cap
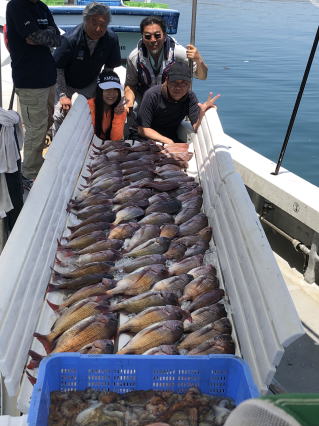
165, 106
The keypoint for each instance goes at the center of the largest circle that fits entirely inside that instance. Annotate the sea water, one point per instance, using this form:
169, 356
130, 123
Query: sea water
257, 51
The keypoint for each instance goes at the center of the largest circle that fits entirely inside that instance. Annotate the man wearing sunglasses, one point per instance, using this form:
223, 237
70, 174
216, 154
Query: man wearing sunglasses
149, 62
164, 106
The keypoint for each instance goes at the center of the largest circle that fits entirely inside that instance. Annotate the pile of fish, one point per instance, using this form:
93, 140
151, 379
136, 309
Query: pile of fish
138, 408
135, 250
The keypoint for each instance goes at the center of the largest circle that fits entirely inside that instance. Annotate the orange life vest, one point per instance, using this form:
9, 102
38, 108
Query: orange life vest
117, 125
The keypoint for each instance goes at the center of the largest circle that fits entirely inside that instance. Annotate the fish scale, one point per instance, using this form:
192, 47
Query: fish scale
162, 333
80, 310
182, 201
152, 315
96, 327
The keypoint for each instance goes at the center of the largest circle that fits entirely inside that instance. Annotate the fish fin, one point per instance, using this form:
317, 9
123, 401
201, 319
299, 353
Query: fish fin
47, 344
53, 306
68, 207
32, 379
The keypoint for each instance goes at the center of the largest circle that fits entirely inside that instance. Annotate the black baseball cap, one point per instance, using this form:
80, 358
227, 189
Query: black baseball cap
109, 80
179, 71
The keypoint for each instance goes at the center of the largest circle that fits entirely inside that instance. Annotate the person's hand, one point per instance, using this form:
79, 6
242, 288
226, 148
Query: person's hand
30, 41
167, 141
121, 107
210, 103
192, 53
65, 103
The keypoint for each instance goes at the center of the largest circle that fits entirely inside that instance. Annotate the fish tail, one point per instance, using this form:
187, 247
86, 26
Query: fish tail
103, 309
53, 287
35, 360
97, 147
60, 262
32, 379
86, 178
44, 339
53, 306
73, 228
55, 274
32, 364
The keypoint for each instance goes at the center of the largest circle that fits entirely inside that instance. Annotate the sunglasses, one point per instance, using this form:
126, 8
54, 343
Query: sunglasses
156, 36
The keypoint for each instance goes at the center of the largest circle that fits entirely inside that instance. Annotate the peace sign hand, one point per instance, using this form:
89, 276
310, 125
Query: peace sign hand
210, 103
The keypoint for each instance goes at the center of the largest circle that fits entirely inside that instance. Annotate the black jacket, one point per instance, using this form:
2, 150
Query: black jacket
80, 68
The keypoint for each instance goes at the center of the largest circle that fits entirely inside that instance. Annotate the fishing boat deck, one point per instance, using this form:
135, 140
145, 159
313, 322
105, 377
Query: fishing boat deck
302, 355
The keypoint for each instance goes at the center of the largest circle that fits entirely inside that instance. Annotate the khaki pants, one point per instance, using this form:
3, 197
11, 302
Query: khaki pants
37, 111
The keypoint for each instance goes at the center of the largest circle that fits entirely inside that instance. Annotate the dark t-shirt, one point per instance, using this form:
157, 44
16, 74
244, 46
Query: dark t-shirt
81, 68
164, 115
33, 67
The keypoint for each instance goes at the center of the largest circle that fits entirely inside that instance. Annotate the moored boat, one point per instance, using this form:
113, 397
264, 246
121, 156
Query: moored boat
125, 18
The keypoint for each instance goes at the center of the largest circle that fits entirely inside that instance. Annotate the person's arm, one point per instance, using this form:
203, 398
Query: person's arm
61, 88
149, 133
48, 37
129, 94
118, 122
130, 81
210, 103
63, 56
27, 27
201, 68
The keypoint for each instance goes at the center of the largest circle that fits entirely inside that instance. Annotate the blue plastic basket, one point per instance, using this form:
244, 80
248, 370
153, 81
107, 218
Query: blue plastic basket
221, 375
